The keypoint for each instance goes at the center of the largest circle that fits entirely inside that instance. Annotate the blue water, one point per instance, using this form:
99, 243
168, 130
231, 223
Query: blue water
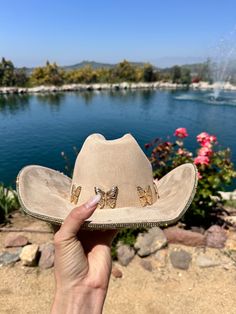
35, 129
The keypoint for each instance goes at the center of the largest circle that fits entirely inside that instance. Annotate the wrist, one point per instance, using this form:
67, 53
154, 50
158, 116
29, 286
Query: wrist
82, 300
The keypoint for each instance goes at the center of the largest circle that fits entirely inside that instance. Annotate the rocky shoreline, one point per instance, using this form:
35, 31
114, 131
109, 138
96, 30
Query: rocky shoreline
118, 86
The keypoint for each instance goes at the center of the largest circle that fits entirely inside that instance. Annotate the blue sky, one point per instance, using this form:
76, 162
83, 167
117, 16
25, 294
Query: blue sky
68, 32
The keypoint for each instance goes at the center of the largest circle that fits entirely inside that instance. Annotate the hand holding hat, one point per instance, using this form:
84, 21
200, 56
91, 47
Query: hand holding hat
82, 263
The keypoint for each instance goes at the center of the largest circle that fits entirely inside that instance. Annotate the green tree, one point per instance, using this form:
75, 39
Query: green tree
148, 73
20, 78
185, 76
176, 74
124, 71
6, 73
51, 74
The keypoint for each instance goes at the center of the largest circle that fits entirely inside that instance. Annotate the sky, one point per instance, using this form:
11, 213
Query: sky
161, 32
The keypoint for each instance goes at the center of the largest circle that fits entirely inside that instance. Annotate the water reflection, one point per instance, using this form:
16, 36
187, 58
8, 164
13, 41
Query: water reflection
54, 100
13, 103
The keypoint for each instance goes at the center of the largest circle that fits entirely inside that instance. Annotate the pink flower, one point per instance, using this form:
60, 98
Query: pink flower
204, 136
206, 140
199, 175
181, 132
180, 151
183, 152
201, 160
212, 138
205, 151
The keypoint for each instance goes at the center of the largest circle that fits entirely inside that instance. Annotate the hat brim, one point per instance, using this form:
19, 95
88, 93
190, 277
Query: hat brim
44, 193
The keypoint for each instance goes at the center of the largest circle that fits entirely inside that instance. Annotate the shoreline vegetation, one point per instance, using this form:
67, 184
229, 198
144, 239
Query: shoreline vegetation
125, 75
115, 86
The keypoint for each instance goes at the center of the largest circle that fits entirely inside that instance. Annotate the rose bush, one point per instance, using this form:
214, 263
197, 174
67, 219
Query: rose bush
215, 171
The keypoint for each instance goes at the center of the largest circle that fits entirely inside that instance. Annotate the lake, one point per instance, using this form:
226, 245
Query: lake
35, 129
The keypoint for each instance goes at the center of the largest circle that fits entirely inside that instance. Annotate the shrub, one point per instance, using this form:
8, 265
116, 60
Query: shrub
215, 171
8, 201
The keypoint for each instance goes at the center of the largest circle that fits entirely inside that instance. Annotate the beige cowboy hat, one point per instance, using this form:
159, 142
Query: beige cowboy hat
121, 173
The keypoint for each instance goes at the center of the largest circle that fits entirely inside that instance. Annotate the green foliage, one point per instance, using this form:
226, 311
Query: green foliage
148, 73
9, 76
8, 201
51, 74
181, 75
215, 172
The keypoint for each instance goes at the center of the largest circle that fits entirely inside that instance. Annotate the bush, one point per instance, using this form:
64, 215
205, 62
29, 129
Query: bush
215, 171
8, 201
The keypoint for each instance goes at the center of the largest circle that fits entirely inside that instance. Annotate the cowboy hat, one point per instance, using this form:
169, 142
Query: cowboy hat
121, 173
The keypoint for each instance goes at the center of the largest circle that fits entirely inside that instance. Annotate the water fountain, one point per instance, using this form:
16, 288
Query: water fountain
221, 59
221, 71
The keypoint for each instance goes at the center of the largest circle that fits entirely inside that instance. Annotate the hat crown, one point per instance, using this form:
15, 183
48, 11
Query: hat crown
117, 163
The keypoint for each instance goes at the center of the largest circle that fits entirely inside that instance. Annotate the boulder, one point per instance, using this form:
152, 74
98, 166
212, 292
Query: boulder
29, 255
7, 258
204, 261
15, 240
125, 254
185, 237
149, 242
180, 259
216, 237
46, 259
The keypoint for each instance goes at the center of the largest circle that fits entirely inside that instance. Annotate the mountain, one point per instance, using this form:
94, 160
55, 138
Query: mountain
97, 65
92, 64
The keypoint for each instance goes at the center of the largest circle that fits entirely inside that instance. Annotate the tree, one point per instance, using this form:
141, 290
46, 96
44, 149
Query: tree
176, 74
185, 76
124, 71
51, 74
6, 73
148, 73
20, 77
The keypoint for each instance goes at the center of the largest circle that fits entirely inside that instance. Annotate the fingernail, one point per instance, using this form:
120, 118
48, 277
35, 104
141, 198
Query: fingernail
93, 201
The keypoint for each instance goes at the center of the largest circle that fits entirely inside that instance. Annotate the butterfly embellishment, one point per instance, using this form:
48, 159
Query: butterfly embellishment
107, 198
75, 193
145, 195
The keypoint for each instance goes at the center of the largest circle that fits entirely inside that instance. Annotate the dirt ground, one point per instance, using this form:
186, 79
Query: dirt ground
164, 290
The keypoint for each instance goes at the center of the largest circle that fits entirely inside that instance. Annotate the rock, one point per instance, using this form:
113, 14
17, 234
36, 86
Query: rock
7, 258
116, 272
161, 258
125, 254
15, 240
180, 259
29, 255
204, 261
185, 237
47, 256
151, 241
216, 237
228, 195
147, 265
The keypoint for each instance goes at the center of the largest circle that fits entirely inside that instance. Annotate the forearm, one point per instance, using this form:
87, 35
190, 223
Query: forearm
84, 301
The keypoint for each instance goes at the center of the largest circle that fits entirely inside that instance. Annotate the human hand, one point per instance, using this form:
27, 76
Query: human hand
82, 264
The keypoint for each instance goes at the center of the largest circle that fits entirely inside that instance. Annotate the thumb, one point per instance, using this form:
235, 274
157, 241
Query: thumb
76, 218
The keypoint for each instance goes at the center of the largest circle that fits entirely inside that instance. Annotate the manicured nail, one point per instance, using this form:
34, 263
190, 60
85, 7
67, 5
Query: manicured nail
93, 201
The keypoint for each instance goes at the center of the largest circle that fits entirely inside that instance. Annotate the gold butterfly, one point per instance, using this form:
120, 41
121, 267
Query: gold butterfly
145, 195
75, 193
107, 198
